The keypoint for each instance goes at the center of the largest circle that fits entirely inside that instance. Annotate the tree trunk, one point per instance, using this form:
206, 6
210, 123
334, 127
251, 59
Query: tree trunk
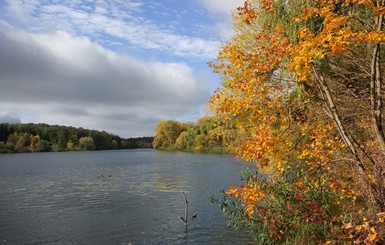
337, 119
376, 85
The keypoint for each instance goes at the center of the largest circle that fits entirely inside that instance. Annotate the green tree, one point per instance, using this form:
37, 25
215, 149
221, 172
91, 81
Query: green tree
43, 146
62, 139
3, 148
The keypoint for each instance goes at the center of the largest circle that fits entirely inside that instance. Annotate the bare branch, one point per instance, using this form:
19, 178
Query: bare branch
337, 119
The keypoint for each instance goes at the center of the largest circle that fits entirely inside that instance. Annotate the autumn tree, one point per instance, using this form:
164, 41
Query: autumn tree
86, 143
34, 141
73, 140
167, 132
19, 142
304, 78
180, 143
344, 68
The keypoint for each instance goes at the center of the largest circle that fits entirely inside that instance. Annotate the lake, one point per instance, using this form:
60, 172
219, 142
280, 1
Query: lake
115, 197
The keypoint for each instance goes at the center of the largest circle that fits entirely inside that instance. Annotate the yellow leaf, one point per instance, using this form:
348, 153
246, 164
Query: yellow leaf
381, 217
373, 230
358, 228
373, 237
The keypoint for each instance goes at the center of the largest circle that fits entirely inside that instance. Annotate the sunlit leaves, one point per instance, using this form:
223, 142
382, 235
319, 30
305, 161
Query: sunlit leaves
336, 33
249, 194
167, 133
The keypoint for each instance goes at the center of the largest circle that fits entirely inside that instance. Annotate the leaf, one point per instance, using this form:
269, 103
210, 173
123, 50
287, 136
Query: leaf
373, 237
358, 228
347, 226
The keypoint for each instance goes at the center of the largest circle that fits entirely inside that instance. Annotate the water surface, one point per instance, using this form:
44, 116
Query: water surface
114, 197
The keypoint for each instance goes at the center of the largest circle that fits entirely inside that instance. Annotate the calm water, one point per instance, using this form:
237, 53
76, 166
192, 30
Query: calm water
114, 197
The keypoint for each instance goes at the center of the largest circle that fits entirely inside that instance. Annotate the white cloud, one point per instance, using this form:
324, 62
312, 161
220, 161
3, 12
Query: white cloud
222, 10
118, 19
222, 7
60, 79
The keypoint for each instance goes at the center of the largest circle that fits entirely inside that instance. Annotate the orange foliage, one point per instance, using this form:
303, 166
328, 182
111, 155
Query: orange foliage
338, 33
264, 77
249, 194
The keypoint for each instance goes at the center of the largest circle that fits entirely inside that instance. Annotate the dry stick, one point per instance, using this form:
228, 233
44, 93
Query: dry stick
185, 209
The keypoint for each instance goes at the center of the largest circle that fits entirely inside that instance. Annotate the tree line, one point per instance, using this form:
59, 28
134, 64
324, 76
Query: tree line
44, 138
208, 134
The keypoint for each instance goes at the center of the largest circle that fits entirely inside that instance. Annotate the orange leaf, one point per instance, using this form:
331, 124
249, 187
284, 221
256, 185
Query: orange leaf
373, 237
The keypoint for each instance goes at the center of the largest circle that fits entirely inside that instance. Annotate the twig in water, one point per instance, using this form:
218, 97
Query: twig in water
185, 209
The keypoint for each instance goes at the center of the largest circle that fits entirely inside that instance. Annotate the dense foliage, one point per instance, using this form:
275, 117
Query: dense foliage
208, 134
304, 79
42, 137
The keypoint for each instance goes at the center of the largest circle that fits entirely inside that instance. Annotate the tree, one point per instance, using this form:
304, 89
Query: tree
304, 78
180, 141
352, 34
2, 147
167, 133
43, 146
34, 141
73, 140
86, 144
19, 142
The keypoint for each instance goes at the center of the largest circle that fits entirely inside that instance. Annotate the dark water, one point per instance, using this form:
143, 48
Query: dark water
114, 197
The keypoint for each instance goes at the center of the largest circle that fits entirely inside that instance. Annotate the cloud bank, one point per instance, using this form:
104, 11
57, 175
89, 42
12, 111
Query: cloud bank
61, 79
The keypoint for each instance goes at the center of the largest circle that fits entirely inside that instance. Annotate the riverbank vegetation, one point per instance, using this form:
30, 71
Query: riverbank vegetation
43, 138
304, 80
208, 134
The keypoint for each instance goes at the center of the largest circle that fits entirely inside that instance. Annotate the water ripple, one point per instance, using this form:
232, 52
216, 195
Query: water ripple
113, 197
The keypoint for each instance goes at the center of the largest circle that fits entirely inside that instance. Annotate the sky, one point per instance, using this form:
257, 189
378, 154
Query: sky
119, 66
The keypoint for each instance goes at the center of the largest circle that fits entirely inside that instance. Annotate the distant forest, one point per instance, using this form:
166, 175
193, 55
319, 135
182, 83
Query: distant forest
44, 138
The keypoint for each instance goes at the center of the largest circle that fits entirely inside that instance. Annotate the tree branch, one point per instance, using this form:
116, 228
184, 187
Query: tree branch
337, 119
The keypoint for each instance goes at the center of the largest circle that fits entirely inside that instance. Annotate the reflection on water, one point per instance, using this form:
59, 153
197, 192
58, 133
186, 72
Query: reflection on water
114, 197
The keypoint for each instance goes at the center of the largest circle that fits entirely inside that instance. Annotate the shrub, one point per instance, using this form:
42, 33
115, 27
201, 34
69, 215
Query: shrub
282, 210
